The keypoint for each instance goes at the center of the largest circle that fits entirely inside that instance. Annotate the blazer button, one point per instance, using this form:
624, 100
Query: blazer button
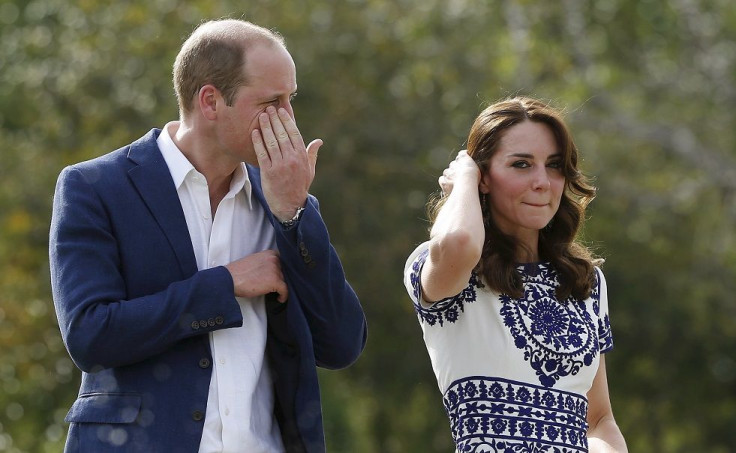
304, 252
211, 322
204, 362
195, 325
197, 416
202, 323
219, 320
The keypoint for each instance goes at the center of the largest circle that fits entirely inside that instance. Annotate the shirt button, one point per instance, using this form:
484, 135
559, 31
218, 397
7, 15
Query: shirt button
204, 362
197, 416
222, 361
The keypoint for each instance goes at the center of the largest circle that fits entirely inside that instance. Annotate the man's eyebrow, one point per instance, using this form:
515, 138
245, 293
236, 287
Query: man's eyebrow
276, 95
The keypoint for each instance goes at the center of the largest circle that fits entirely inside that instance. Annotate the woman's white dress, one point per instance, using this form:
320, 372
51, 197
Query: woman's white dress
514, 373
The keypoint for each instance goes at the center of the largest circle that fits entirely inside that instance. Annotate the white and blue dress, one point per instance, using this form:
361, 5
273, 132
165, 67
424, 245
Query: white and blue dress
514, 373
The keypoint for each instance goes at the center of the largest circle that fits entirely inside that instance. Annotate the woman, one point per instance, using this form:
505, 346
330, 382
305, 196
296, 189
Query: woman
513, 309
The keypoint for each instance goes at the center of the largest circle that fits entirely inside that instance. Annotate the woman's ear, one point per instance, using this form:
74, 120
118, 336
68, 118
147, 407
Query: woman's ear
485, 182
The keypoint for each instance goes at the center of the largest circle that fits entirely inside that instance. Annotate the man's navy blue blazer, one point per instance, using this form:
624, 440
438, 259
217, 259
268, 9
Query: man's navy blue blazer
135, 312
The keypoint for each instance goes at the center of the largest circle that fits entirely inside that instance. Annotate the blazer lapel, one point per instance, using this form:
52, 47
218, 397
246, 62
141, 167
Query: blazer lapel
254, 174
152, 179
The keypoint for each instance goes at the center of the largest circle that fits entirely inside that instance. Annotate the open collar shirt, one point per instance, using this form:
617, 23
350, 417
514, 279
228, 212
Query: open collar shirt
239, 416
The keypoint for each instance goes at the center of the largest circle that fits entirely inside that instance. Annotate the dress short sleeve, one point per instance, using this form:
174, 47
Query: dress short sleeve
605, 335
413, 272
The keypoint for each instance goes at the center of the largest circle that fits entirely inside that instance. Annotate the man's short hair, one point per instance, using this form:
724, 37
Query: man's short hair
215, 53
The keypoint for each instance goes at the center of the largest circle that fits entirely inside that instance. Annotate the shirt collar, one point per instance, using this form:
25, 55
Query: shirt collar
180, 167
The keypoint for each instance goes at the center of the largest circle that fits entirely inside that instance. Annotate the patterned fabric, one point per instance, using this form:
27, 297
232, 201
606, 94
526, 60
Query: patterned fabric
446, 309
514, 373
497, 415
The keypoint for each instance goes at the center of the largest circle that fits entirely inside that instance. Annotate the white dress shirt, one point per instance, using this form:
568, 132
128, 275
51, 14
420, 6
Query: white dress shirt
239, 417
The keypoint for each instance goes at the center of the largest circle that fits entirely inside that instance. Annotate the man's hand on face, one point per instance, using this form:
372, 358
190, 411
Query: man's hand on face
287, 166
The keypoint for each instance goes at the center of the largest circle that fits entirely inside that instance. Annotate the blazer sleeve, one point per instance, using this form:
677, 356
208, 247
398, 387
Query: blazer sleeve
102, 322
333, 312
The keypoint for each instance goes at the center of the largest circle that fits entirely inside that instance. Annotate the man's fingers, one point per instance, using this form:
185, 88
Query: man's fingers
290, 126
272, 145
280, 287
283, 292
278, 129
261, 153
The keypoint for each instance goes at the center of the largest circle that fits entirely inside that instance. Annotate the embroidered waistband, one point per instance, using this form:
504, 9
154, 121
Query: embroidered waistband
507, 415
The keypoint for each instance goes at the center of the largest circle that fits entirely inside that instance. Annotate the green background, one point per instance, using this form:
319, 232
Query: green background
392, 88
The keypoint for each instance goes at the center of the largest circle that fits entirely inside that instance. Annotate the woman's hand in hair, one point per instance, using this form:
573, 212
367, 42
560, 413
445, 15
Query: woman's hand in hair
457, 236
462, 167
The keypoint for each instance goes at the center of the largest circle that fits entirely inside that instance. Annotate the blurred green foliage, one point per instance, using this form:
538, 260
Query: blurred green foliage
392, 87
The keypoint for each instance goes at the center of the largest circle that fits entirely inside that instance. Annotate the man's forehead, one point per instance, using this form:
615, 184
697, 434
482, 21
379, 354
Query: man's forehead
267, 91
262, 59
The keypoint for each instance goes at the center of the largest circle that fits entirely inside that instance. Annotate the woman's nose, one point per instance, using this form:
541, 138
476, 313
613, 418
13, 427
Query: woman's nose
540, 179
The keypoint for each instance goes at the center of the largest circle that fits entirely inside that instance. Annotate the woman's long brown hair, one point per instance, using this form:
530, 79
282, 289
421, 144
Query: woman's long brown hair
557, 241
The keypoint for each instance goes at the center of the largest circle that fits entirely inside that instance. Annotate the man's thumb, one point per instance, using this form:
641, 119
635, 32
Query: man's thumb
312, 150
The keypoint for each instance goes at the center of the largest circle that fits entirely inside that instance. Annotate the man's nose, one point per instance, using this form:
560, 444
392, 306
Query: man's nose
287, 106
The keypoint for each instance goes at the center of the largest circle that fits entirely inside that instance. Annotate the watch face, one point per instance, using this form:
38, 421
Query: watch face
293, 220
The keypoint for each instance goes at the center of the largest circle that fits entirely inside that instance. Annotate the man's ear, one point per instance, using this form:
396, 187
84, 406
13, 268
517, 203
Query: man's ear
207, 101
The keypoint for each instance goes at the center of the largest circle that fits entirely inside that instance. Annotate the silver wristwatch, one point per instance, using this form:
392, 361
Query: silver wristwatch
292, 221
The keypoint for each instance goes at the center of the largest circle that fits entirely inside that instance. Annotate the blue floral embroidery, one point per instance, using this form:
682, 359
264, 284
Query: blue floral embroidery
558, 339
448, 309
501, 416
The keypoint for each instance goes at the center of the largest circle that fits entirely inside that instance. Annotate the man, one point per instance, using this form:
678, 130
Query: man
195, 291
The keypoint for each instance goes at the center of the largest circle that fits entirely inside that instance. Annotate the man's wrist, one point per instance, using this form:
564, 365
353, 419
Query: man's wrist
291, 221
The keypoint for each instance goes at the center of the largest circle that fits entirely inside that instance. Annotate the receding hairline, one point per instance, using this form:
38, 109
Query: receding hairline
231, 36
235, 30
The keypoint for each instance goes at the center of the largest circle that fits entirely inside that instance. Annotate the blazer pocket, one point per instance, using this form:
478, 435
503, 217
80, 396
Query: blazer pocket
105, 408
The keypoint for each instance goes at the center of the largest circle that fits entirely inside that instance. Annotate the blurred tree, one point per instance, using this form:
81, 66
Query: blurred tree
392, 87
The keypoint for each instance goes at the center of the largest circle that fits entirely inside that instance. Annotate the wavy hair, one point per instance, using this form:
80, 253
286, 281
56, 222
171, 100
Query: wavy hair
558, 242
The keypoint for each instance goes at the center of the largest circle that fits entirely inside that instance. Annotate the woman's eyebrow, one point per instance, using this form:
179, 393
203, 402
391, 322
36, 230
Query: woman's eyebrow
531, 156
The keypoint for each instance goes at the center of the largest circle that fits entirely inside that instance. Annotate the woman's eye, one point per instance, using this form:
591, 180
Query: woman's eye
556, 164
521, 164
